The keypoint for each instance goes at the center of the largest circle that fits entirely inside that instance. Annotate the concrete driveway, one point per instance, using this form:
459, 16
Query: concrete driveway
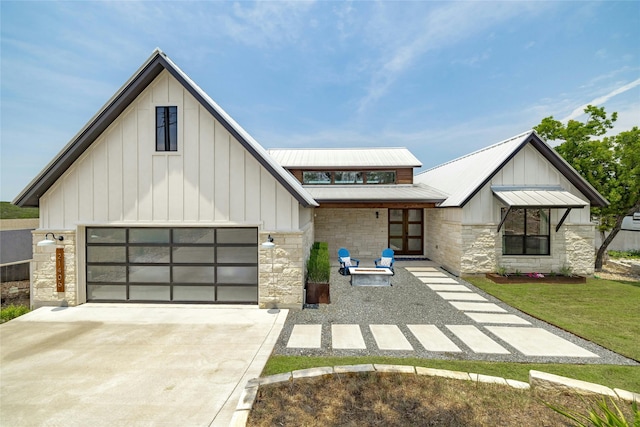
133, 365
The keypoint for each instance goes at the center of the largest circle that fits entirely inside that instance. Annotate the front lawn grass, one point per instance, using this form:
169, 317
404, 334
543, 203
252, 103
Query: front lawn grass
606, 312
624, 377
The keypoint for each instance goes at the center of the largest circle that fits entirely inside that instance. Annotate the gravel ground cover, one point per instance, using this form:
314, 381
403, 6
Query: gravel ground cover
409, 301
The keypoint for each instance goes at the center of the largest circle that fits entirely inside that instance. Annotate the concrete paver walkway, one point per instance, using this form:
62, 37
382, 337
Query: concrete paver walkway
429, 313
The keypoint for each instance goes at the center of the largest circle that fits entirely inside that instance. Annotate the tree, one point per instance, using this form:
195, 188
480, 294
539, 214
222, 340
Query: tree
611, 165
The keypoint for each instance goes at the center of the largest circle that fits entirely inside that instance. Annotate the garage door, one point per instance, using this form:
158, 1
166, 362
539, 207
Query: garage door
181, 265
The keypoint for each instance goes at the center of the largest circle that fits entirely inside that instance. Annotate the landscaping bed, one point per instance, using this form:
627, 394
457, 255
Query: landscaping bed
410, 400
546, 278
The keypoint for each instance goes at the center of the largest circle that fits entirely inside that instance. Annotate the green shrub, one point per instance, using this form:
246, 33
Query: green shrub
633, 253
601, 415
318, 266
12, 311
565, 270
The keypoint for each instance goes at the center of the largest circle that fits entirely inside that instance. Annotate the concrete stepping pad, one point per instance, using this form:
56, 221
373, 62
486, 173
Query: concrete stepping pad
476, 340
433, 339
305, 336
477, 306
412, 269
390, 337
461, 296
497, 318
538, 342
450, 288
438, 280
347, 337
428, 274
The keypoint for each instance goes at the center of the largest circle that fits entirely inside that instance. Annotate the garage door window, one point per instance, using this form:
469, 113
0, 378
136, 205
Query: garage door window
213, 265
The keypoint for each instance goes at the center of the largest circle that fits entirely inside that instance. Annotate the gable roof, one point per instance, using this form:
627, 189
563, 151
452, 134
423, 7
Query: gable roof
462, 178
157, 62
314, 158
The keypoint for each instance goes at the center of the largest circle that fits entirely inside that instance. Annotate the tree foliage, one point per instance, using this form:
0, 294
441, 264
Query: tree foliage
610, 164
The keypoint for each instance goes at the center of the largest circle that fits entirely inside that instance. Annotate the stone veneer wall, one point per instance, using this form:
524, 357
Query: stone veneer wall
43, 271
358, 230
443, 240
283, 268
571, 246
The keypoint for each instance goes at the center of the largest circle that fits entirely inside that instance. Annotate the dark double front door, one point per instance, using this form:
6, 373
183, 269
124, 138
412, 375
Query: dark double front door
406, 231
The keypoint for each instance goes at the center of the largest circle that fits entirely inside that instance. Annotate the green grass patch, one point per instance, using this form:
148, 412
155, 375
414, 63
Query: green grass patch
12, 311
9, 211
603, 311
632, 254
624, 377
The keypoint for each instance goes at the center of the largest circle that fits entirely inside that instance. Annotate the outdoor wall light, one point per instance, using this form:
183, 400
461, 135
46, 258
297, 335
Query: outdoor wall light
377, 215
268, 244
49, 242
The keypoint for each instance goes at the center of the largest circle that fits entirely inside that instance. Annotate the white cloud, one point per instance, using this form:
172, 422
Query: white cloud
268, 24
577, 112
440, 28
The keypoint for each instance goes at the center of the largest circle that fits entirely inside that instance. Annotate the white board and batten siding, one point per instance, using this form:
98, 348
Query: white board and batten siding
211, 179
528, 167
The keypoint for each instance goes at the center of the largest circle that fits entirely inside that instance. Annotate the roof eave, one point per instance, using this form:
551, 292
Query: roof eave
355, 201
595, 198
156, 63
30, 195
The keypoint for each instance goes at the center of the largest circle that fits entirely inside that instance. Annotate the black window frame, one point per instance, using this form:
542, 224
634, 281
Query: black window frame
363, 177
525, 242
166, 130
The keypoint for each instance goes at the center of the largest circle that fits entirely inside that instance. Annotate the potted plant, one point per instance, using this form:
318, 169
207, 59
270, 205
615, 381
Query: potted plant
318, 273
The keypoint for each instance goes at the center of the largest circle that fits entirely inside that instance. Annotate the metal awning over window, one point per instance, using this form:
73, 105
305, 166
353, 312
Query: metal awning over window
554, 197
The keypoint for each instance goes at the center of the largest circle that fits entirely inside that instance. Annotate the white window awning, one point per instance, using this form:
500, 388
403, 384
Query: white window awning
537, 197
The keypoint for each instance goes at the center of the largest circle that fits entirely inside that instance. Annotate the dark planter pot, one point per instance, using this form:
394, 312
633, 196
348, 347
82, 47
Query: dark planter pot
526, 279
318, 293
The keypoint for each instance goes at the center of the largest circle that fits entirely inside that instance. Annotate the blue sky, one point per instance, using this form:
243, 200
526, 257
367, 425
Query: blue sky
440, 78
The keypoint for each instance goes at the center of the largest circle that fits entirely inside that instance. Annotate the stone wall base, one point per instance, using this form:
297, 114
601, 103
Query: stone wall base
43, 270
283, 269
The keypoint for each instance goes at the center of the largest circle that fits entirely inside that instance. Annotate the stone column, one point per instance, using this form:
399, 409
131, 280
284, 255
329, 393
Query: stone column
282, 270
43, 270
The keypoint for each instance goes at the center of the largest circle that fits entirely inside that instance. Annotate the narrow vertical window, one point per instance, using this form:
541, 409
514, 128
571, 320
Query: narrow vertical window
166, 128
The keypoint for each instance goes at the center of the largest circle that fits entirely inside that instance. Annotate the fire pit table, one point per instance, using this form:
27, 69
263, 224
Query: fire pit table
370, 276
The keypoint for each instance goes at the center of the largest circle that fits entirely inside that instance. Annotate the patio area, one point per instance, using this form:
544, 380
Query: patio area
428, 313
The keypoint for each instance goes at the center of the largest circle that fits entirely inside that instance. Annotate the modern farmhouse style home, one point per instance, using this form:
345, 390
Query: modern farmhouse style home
163, 197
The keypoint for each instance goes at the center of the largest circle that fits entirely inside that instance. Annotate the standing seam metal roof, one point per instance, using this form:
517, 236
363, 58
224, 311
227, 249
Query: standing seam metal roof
541, 197
345, 158
375, 193
462, 178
